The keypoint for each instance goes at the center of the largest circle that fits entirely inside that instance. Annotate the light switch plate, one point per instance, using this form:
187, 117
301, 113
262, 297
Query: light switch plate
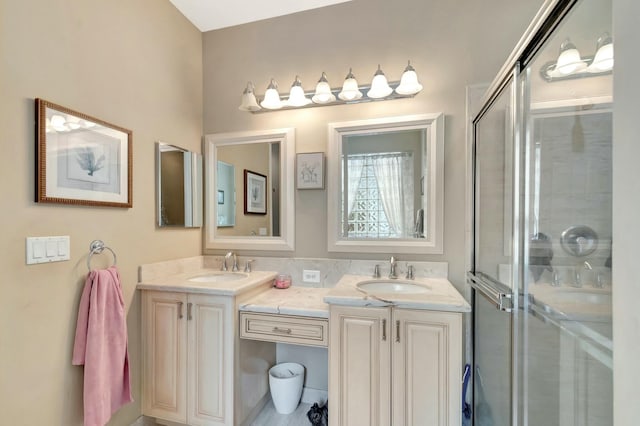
310, 276
47, 249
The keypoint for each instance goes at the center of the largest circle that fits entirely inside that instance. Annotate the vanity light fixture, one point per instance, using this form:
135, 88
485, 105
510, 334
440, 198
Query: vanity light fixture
379, 86
350, 91
570, 64
603, 59
249, 102
296, 95
324, 95
272, 97
409, 84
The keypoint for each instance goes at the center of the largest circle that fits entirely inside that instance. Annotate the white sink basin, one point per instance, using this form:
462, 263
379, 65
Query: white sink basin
218, 277
392, 287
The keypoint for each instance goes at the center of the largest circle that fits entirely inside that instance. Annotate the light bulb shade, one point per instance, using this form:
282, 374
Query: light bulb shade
569, 60
296, 95
379, 86
59, 123
603, 59
249, 101
350, 91
409, 84
271, 97
323, 94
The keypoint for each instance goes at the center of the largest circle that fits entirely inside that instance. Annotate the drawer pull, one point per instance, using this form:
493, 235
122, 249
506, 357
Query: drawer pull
384, 330
180, 310
397, 331
281, 330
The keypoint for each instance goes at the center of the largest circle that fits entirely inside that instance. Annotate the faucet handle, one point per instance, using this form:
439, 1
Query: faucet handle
234, 268
555, 279
247, 265
224, 264
410, 272
376, 271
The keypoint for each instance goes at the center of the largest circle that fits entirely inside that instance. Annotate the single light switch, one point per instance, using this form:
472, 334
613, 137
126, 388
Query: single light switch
37, 249
52, 248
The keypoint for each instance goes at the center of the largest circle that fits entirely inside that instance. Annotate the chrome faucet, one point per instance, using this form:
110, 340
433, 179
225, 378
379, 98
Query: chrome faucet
410, 272
376, 271
235, 262
392, 268
578, 277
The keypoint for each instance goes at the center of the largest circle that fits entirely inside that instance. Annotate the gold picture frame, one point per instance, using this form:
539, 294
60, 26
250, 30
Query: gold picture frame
81, 160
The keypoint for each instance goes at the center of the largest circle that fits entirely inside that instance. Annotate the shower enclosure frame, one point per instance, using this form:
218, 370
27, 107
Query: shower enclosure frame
512, 299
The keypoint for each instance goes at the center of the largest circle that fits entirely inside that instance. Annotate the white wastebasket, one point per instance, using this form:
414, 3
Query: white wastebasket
285, 382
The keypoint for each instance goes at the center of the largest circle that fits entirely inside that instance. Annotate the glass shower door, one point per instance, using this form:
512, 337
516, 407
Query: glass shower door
567, 365
491, 277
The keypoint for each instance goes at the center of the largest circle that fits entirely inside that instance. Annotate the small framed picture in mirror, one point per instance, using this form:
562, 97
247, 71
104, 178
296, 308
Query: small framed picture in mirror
310, 170
220, 196
255, 193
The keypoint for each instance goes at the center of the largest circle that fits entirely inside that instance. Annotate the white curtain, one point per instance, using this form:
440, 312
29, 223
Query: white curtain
354, 173
394, 175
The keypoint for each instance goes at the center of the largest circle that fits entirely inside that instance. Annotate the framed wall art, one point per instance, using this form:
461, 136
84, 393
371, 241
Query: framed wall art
255, 193
310, 170
80, 159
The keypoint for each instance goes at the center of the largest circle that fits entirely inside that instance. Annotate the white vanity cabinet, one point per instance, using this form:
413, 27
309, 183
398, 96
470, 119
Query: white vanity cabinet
390, 366
187, 346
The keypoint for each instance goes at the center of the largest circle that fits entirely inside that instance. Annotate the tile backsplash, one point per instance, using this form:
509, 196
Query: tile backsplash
331, 270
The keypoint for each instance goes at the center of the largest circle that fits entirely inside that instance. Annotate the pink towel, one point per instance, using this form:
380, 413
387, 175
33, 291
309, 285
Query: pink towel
101, 346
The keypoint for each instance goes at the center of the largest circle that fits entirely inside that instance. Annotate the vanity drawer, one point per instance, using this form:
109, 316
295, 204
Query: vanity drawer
284, 328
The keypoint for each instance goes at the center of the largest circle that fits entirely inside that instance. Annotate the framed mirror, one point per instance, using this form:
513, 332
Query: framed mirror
81, 160
386, 185
178, 187
249, 195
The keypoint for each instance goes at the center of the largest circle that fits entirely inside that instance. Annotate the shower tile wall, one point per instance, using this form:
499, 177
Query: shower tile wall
575, 180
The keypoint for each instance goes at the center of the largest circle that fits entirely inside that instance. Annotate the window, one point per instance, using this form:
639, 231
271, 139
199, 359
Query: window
369, 212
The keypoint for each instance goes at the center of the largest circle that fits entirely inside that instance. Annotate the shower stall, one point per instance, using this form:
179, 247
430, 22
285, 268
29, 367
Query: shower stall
541, 270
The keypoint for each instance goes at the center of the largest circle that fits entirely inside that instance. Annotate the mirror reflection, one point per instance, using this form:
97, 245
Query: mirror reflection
236, 165
382, 194
250, 203
226, 196
179, 186
386, 185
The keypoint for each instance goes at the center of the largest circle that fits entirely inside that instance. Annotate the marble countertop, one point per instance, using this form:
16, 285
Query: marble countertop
442, 296
181, 282
300, 301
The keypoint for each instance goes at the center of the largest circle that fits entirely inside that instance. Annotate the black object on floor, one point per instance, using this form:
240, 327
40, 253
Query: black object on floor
318, 416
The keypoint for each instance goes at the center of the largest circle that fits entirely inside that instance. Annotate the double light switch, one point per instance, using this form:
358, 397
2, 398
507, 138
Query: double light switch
47, 249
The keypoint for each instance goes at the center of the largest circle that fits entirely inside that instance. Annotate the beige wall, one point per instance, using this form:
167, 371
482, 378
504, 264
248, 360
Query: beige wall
134, 64
450, 43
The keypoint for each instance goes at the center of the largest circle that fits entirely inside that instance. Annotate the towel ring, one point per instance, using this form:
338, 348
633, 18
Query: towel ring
97, 247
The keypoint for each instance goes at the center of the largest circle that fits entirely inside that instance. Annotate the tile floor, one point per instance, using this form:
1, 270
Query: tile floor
270, 417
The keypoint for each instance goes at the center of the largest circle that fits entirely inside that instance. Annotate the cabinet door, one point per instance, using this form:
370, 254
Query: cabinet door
210, 372
359, 366
164, 349
427, 368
